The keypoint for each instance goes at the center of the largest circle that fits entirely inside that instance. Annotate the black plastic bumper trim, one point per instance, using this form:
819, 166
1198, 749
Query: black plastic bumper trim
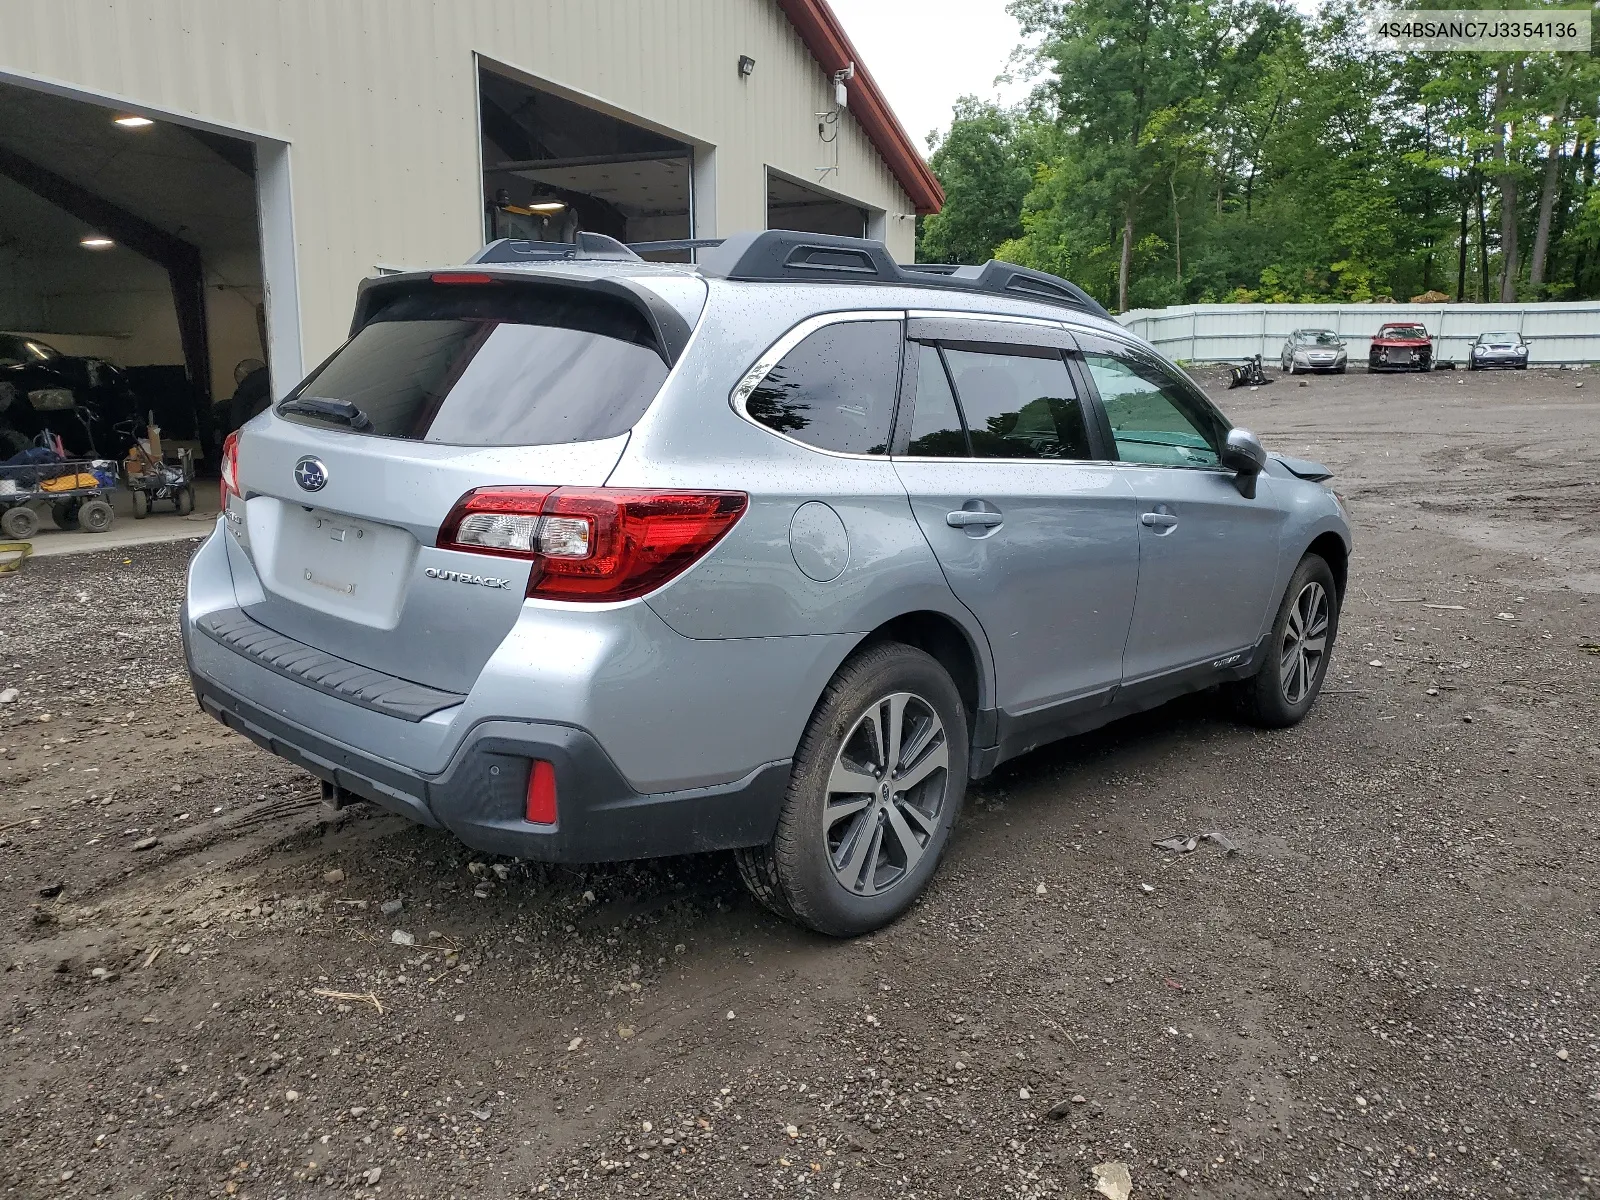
481, 795
325, 672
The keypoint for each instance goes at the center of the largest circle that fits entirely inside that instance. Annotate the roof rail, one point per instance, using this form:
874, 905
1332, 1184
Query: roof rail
783, 254
588, 247
776, 254
673, 244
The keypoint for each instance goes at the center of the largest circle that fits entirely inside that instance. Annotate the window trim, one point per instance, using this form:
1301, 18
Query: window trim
775, 353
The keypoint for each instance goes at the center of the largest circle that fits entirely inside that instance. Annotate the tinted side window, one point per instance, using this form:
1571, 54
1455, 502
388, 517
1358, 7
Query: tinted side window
1154, 418
836, 389
936, 430
1019, 405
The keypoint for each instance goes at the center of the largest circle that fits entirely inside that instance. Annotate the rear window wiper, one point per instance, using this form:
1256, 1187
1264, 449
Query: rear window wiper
337, 410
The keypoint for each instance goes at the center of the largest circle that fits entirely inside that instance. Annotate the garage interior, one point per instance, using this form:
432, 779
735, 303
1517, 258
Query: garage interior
553, 167
136, 243
793, 205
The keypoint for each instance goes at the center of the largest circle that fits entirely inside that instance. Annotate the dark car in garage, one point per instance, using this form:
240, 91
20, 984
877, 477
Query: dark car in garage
76, 398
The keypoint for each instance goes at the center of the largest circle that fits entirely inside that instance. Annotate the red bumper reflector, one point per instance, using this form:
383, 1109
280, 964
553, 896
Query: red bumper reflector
542, 793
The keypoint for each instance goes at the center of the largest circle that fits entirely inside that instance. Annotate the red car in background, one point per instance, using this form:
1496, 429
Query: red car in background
1401, 346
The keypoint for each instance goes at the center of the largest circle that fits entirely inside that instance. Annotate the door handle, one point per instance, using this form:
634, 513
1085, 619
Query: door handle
1158, 520
966, 518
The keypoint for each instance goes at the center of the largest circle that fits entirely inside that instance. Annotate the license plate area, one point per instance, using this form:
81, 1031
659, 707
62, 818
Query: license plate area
349, 568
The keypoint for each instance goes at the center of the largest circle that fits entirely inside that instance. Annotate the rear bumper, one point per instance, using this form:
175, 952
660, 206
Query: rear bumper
480, 796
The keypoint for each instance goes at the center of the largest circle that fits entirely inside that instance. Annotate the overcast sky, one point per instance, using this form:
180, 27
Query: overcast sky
927, 53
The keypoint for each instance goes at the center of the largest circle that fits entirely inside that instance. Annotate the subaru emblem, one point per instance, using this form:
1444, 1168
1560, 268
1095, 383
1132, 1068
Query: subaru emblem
310, 474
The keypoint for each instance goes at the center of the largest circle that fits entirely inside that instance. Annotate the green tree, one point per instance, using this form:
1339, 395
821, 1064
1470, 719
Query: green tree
985, 164
1236, 149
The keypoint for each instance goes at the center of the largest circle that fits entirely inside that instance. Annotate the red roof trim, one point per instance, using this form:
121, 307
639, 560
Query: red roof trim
820, 30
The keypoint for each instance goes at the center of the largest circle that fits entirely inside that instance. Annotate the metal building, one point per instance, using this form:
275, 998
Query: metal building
200, 184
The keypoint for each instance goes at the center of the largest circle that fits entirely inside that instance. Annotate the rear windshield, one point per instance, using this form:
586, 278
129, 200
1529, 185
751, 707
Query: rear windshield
492, 365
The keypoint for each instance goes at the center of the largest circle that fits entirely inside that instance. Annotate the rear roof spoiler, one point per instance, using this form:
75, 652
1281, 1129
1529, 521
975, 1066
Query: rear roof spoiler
666, 322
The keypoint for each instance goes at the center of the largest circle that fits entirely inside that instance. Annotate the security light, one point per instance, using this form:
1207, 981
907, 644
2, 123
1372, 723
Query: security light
132, 122
747, 66
841, 94
95, 241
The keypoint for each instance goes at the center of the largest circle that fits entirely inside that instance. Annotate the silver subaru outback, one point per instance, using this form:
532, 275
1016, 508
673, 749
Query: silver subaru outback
586, 558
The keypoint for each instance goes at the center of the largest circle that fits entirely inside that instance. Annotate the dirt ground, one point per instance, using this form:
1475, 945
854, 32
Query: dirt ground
1393, 986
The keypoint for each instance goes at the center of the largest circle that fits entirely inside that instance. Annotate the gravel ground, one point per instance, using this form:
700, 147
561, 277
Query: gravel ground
1391, 985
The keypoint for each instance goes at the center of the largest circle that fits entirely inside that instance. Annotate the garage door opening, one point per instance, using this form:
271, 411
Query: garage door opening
553, 167
792, 205
130, 276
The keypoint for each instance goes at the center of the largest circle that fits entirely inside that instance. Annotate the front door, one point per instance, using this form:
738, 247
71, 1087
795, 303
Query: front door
1208, 557
1036, 533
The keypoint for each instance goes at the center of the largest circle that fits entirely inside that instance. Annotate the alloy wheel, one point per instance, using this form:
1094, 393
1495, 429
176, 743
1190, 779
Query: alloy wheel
1305, 642
888, 787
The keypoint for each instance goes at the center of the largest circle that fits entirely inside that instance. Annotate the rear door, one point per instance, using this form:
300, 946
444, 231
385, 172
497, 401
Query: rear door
1208, 557
448, 387
1036, 533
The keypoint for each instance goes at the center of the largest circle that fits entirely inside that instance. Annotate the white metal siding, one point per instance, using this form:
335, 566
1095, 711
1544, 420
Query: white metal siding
1556, 333
377, 101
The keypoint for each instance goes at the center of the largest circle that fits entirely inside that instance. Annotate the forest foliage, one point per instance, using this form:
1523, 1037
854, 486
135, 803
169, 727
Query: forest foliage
1177, 151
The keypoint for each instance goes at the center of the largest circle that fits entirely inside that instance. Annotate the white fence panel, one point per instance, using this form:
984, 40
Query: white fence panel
1557, 334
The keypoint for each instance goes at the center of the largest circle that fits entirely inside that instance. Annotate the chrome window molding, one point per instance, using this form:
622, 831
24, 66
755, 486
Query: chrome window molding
775, 353
957, 314
1059, 462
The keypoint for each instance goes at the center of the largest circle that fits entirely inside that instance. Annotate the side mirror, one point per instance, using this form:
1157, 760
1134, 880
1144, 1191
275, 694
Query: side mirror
1244, 455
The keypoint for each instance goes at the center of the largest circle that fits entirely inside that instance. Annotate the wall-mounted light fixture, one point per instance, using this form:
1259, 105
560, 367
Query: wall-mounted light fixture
128, 121
841, 94
95, 241
747, 66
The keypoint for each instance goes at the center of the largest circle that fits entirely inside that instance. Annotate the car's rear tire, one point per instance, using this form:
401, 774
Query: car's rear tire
846, 860
1299, 649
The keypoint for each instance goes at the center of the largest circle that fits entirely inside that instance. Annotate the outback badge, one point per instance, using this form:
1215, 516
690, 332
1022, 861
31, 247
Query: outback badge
488, 581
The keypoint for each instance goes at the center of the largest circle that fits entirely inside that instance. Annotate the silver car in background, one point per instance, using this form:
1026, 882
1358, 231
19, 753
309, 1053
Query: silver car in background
1504, 349
1314, 350
586, 558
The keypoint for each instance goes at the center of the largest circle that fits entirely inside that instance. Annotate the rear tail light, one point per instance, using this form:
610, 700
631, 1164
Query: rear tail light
230, 470
541, 793
592, 544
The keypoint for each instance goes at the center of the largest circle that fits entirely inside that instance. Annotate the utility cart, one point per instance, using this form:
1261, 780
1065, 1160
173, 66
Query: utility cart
154, 473
77, 491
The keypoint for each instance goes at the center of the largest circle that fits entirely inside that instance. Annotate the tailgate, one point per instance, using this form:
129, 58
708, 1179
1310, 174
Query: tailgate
352, 568
450, 382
